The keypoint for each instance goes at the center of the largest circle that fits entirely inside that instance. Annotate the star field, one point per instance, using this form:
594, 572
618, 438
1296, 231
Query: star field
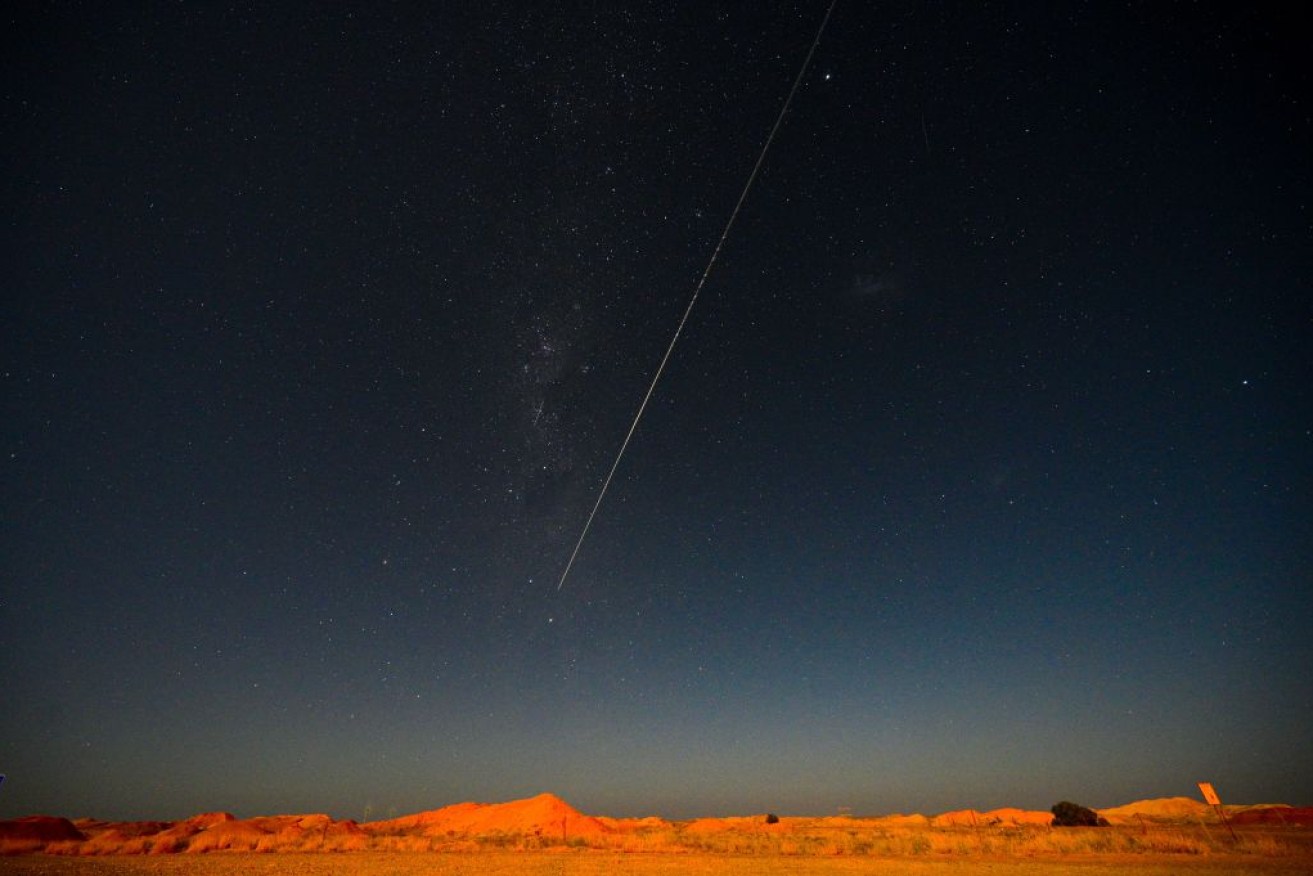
979, 476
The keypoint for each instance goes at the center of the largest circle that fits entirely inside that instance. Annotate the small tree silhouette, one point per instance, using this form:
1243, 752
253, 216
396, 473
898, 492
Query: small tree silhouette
772, 818
1068, 814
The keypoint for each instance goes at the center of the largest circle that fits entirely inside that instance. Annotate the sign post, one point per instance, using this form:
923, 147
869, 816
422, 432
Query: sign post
1211, 798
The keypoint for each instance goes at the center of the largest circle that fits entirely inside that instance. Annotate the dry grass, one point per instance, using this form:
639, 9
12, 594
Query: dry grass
595, 863
816, 838
795, 846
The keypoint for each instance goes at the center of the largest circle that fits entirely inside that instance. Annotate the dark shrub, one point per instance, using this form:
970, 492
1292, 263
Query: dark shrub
1068, 814
772, 818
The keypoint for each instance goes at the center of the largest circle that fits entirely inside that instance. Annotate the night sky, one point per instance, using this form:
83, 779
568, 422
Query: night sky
980, 475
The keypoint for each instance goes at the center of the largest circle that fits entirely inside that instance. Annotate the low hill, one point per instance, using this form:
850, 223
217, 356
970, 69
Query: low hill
1007, 817
544, 815
1282, 815
1162, 809
547, 821
35, 832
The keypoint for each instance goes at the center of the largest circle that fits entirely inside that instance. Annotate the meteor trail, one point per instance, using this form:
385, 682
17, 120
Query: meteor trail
761, 158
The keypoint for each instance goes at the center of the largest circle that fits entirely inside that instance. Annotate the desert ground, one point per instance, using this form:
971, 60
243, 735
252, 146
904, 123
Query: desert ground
544, 835
653, 864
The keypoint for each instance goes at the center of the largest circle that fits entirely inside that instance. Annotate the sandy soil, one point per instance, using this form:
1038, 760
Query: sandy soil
603, 864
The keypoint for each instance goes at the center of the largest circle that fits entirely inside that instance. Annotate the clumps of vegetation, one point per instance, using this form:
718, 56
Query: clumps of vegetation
1068, 814
772, 818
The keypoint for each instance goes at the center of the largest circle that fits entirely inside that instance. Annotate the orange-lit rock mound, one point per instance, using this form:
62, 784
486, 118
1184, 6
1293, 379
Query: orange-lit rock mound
211, 832
1165, 809
544, 815
1291, 815
35, 832
546, 821
995, 817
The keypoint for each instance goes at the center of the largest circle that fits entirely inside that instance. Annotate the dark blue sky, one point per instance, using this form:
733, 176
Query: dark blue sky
980, 476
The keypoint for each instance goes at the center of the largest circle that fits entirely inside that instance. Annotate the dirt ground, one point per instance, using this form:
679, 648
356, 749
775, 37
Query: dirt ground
592, 863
